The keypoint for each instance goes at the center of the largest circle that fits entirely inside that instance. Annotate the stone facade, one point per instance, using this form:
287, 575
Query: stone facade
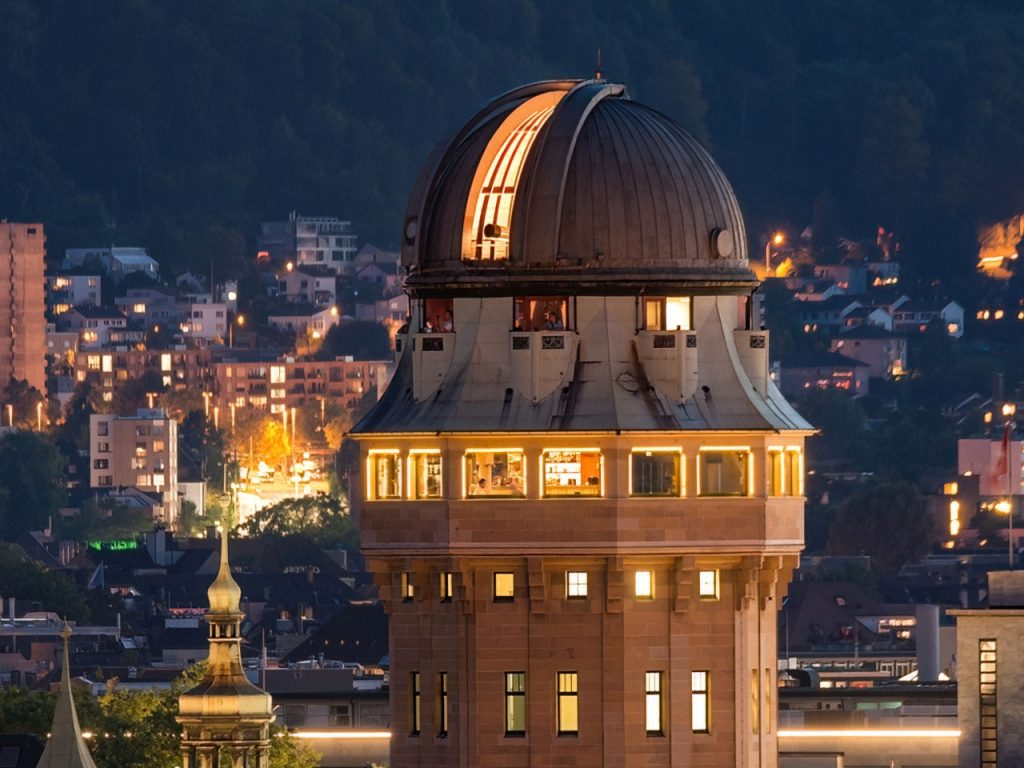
22, 304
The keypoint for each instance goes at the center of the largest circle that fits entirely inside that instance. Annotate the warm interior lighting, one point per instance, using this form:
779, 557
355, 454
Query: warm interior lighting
341, 734
572, 472
489, 472
657, 472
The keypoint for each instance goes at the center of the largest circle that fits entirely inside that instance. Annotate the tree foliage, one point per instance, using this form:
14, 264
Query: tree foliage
358, 339
25, 579
31, 483
889, 522
322, 518
105, 519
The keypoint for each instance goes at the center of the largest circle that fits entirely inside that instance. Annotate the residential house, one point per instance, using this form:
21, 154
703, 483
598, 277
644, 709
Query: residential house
884, 352
799, 372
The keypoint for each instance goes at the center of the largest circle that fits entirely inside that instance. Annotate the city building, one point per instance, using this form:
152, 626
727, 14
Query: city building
204, 322
305, 240
179, 368
883, 352
914, 316
798, 372
309, 284
304, 320
96, 326
289, 383
139, 451
224, 712
582, 494
22, 304
989, 644
66, 291
115, 261
150, 307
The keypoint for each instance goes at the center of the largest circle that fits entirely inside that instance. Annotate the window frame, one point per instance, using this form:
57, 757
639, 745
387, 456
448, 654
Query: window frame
680, 459
488, 493
654, 686
373, 478
747, 471
515, 703
446, 583
416, 703
579, 590
700, 701
708, 592
662, 322
414, 468
407, 587
561, 453
567, 704
648, 594
503, 597
442, 704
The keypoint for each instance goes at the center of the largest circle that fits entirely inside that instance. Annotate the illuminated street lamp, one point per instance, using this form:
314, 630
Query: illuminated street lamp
206, 404
1006, 507
777, 240
232, 406
10, 415
231, 329
39, 416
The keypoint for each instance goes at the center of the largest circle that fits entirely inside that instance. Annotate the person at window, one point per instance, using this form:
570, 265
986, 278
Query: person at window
480, 487
552, 322
447, 326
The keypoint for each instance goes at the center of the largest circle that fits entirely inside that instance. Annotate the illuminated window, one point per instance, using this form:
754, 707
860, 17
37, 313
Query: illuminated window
504, 587
416, 700
668, 314
494, 473
707, 584
139, 309
656, 472
425, 474
515, 703
700, 705
277, 374
988, 706
384, 475
776, 472
724, 472
576, 585
572, 473
540, 313
954, 517
653, 704
447, 586
794, 472
408, 587
644, 585
437, 316
442, 704
568, 704
492, 218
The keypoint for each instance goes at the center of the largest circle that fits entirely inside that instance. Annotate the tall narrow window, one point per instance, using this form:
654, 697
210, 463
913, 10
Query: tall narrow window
515, 703
656, 472
644, 585
988, 705
504, 587
776, 472
572, 472
576, 585
653, 703
416, 703
700, 703
794, 472
425, 474
408, 587
724, 472
568, 704
383, 475
447, 586
494, 473
442, 704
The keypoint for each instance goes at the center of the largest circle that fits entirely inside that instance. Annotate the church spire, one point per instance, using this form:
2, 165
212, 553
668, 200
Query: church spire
225, 594
65, 748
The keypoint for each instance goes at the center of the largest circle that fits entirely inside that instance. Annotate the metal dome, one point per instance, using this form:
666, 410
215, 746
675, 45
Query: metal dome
571, 187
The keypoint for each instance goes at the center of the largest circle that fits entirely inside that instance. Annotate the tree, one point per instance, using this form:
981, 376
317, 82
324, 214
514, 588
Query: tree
23, 400
321, 518
889, 522
25, 579
105, 519
362, 340
32, 480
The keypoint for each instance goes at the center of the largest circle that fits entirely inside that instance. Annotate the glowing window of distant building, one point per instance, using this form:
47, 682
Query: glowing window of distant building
108, 364
776, 471
442, 703
277, 374
724, 472
656, 472
383, 475
494, 474
504, 587
576, 585
425, 474
437, 316
416, 703
700, 704
165, 362
571, 472
668, 313
493, 193
568, 704
988, 703
707, 584
643, 585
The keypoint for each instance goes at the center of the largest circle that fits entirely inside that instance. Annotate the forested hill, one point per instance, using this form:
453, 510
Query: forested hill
181, 124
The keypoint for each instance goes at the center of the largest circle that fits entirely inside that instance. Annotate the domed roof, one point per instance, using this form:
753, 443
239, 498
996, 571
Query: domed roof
571, 187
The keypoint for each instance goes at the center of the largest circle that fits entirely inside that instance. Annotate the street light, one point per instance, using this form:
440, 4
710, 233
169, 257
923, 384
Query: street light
777, 240
1009, 410
231, 329
206, 404
39, 416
